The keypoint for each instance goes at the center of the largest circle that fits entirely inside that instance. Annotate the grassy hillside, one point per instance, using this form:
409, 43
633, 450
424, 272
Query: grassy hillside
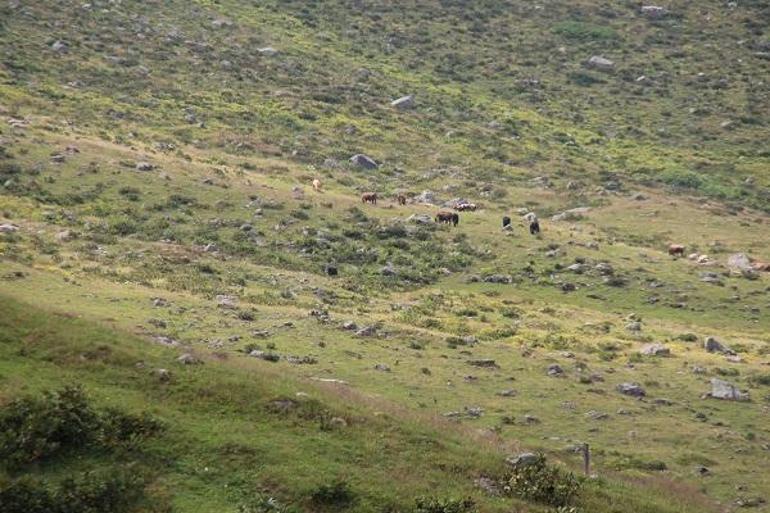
156, 161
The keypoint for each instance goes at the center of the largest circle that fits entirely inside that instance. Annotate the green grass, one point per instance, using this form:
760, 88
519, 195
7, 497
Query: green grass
502, 96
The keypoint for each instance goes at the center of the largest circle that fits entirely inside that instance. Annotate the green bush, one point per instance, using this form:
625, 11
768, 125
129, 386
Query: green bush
337, 494
434, 505
584, 31
540, 482
32, 429
117, 492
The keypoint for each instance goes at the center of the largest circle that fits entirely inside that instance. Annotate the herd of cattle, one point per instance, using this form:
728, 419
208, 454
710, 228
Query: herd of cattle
447, 216
453, 218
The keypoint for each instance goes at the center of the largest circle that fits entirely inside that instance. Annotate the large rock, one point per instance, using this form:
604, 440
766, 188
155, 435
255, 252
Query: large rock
8, 228
631, 389
426, 197
498, 278
403, 103
739, 262
727, 391
522, 460
363, 161
655, 350
600, 63
574, 214
712, 345
420, 219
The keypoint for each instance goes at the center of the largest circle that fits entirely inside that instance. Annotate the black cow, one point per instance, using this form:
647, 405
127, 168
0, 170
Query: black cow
506, 221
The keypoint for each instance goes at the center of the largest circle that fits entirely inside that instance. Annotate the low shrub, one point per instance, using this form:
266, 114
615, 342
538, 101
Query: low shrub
32, 428
434, 505
539, 482
116, 492
337, 494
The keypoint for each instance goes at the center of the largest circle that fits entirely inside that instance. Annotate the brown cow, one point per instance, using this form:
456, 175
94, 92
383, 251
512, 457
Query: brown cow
369, 197
761, 266
447, 217
317, 185
676, 250
401, 199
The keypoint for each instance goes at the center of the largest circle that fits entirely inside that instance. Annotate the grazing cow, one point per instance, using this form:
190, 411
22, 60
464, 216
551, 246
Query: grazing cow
447, 217
462, 207
676, 250
506, 221
401, 199
534, 227
317, 185
369, 197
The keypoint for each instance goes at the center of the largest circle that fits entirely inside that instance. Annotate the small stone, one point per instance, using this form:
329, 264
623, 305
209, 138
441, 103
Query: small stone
655, 350
189, 359
555, 370
631, 389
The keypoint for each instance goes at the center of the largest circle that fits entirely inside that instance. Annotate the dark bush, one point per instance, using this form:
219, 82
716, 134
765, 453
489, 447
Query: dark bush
540, 482
32, 429
337, 494
117, 492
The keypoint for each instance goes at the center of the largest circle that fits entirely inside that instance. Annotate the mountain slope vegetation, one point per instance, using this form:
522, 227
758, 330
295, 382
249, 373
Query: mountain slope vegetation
228, 338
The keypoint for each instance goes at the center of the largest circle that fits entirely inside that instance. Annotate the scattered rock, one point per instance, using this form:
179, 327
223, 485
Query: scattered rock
403, 103
420, 219
163, 375
498, 278
631, 389
712, 345
268, 51
349, 325
604, 269
144, 166
368, 331
653, 11
522, 460
363, 161
60, 46
600, 63
723, 390
634, 326
739, 262
655, 350
382, 367
8, 228
189, 359
426, 197
574, 214
555, 370
228, 302
474, 412
510, 392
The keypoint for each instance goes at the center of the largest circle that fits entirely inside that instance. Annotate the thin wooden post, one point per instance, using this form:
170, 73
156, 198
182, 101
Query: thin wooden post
586, 459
